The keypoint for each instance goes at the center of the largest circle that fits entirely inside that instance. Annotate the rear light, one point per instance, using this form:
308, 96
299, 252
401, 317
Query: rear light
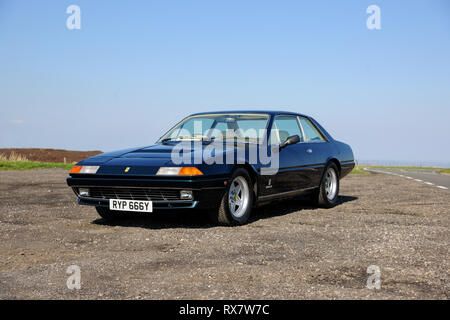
84, 169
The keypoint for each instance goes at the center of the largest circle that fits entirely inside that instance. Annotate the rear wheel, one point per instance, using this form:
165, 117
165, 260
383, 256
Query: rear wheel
328, 193
236, 204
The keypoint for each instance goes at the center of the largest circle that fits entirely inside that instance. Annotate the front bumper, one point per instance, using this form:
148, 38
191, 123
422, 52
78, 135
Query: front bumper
207, 192
157, 205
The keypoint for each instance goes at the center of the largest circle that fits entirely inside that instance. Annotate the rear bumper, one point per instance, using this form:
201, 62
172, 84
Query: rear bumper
347, 167
207, 192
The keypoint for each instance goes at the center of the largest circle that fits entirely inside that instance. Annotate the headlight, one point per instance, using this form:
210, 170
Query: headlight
84, 169
168, 171
179, 171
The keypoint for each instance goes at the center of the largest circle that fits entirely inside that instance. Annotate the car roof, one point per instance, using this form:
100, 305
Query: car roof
269, 112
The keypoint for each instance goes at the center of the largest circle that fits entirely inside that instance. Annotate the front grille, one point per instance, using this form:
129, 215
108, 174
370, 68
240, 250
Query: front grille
134, 194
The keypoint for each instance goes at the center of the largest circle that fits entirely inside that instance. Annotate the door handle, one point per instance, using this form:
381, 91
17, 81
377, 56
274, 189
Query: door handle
308, 150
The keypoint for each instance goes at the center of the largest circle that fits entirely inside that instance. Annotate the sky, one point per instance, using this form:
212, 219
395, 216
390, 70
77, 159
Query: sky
135, 68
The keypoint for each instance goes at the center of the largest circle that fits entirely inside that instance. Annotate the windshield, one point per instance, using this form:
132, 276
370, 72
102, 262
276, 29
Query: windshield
230, 126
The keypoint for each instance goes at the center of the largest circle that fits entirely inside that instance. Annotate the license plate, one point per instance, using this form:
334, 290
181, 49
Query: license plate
130, 205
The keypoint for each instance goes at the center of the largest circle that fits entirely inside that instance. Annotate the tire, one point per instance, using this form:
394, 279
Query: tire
107, 214
328, 193
239, 190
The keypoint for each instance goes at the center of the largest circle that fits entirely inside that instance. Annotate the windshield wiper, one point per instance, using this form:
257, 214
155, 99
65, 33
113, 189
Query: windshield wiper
166, 140
198, 136
194, 137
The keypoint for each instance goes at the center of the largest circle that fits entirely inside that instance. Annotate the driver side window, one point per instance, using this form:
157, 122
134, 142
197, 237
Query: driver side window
284, 127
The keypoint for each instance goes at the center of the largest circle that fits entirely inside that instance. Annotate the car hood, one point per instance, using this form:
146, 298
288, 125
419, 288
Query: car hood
141, 161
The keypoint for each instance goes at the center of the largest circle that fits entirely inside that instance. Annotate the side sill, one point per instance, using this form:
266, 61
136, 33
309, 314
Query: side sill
286, 194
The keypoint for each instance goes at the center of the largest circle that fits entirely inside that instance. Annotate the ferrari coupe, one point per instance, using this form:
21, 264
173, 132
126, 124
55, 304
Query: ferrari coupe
224, 163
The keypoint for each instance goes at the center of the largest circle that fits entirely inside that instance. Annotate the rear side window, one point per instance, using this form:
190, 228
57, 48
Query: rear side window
284, 127
311, 133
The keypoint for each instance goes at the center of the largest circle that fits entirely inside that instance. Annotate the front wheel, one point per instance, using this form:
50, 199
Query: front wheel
328, 193
236, 204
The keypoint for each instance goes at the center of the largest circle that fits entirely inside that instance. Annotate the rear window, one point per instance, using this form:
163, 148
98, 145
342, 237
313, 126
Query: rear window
311, 133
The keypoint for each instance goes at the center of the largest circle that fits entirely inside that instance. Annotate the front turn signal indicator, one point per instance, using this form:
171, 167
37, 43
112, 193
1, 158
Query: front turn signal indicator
76, 169
84, 169
190, 171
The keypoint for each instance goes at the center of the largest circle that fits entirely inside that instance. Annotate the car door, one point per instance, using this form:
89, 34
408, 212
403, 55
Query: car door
294, 160
318, 148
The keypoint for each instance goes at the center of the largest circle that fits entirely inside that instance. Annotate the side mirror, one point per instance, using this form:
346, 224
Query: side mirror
290, 140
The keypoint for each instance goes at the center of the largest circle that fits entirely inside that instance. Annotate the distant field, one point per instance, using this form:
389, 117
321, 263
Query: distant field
46, 155
25, 159
34, 158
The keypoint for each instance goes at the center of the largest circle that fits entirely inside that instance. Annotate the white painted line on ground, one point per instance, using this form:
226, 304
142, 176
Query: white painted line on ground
403, 176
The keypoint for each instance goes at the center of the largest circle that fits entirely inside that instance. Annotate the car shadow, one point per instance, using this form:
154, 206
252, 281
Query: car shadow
195, 219
288, 206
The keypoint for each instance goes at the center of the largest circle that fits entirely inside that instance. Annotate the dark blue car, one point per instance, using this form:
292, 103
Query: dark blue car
223, 162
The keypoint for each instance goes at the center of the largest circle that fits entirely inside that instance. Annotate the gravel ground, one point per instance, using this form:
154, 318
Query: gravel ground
289, 250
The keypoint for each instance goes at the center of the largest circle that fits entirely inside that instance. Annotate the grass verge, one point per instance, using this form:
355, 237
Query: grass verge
27, 165
358, 170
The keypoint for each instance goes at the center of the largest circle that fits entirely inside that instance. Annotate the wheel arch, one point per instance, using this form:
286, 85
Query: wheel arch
252, 173
336, 162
